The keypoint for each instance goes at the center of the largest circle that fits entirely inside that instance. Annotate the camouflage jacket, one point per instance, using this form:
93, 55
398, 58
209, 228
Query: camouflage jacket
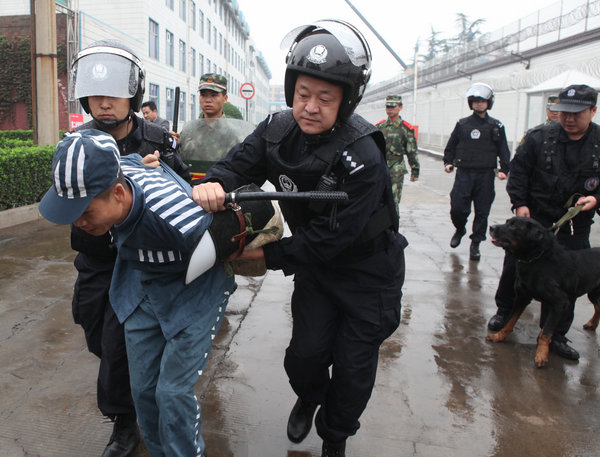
400, 141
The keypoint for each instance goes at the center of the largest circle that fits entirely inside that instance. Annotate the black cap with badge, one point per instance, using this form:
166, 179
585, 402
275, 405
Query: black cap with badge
575, 98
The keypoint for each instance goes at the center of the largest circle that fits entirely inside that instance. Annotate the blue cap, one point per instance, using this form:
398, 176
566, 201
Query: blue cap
85, 163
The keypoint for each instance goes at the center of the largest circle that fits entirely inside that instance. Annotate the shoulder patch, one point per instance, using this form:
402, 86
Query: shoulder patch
410, 126
351, 162
380, 122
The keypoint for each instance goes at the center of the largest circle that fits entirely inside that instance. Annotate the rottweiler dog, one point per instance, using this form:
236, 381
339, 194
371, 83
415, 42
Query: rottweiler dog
548, 272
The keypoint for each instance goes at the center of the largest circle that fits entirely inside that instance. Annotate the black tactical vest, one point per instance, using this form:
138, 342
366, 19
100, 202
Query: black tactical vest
478, 145
304, 175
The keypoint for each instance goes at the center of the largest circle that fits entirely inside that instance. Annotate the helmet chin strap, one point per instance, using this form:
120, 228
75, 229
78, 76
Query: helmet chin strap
111, 125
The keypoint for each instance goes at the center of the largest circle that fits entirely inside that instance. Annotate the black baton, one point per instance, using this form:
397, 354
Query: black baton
176, 109
332, 196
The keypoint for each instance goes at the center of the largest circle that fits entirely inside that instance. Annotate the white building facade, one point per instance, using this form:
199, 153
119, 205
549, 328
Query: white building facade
177, 41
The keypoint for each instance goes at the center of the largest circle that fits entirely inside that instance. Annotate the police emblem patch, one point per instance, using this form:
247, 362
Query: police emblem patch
99, 72
571, 92
287, 185
318, 54
591, 183
475, 134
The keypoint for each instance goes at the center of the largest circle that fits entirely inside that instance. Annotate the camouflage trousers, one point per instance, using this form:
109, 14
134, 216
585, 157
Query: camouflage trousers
397, 184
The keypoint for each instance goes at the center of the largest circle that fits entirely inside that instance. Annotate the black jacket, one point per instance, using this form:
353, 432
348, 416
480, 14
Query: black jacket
549, 168
293, 161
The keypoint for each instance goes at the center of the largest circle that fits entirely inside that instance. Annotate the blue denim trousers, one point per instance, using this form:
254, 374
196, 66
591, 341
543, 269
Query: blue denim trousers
163, 374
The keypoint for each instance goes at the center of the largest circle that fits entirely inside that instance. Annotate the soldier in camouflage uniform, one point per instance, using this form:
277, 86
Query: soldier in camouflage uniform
400, 141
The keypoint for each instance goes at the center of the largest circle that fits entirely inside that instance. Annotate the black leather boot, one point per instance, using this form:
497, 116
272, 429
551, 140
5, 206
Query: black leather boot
333, 449
300, 421
474, 253
125, 437
458, 234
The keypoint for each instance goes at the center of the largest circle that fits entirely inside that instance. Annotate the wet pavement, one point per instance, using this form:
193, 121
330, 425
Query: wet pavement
441, 389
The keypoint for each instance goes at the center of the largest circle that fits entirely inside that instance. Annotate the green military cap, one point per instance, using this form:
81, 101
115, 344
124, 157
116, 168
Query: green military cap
213, 81
552, 100
393, 100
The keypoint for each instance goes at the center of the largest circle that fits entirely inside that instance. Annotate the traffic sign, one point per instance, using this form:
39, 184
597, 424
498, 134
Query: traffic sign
247, 91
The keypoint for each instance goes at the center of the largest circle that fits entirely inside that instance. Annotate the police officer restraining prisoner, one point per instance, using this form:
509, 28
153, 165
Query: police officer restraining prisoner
108, 80
557, 166
347, 258
473, 148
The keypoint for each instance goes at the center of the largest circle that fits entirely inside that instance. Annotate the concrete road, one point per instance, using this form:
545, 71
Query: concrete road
441, 390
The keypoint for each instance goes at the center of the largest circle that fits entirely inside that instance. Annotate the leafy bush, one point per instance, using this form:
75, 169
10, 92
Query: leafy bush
24, 135
24, 174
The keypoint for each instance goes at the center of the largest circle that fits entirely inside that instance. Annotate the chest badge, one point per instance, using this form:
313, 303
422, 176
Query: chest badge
287, 185
591, 183
475, 134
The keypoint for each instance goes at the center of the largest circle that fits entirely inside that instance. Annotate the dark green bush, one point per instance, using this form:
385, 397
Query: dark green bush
24, 135
24, 174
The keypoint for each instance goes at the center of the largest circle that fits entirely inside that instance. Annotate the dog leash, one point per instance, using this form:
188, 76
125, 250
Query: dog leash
572, 211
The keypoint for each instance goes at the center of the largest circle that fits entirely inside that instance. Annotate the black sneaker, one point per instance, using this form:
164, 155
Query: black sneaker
474, 253
497, 322
333, 449
300, 421
125, 437
455, 240
562, 349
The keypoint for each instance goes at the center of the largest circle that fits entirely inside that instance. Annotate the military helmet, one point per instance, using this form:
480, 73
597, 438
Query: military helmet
331, 50
480, 91
108, 68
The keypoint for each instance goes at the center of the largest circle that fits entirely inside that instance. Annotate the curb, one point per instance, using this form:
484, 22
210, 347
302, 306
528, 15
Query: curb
20, 215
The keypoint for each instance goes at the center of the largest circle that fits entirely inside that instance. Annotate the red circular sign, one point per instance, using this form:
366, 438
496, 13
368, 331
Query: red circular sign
247, 91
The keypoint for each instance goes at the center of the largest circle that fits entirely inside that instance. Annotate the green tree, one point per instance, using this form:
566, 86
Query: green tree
231, 111
469, 31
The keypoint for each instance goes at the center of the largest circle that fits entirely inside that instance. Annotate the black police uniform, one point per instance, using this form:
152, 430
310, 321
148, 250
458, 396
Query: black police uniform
546, 171
473, 148
347, 258
94, 263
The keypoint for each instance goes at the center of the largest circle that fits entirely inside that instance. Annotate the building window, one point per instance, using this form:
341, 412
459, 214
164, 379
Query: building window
170, 50
170, 97
193, 62
192, 107
215, 37
201, 23
182, 10
208, 67
182, 56
182, 117
201, 63
153, 93
170, 4
193, 14
209, 30
153, 39
221, 43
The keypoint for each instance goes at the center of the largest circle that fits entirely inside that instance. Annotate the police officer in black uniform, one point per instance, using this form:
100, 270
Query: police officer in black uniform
473, 148
108, 80
347, 258
556, 166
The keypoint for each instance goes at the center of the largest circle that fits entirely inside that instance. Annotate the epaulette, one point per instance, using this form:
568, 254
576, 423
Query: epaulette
409, 126
380, 122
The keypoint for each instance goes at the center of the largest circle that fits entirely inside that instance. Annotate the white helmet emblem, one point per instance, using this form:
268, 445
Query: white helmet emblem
99, 72
318, 54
